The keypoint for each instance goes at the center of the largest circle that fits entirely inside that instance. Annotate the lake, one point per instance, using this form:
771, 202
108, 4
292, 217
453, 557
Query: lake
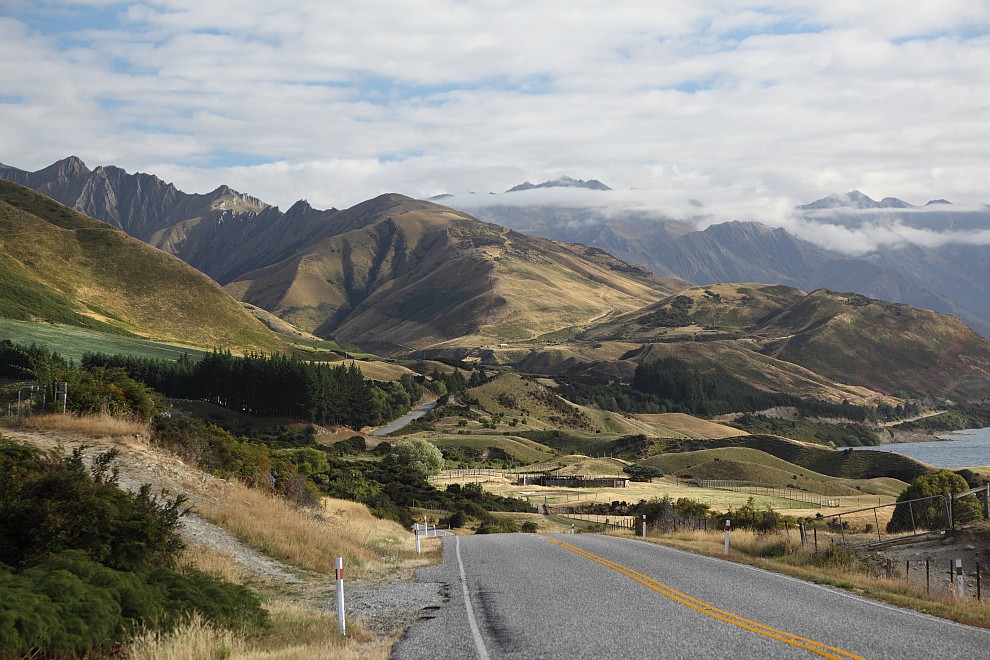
969, 448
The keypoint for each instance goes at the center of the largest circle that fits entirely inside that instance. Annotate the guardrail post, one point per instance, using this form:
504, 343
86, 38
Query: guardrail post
341, 626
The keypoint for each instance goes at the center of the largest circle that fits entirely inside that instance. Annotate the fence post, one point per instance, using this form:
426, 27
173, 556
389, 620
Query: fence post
928, 576
341, 626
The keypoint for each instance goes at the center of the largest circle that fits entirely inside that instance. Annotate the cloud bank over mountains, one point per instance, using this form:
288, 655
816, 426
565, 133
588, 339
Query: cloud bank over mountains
750, 106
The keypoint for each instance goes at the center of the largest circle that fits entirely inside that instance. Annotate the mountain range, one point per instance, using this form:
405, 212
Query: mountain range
947, 276
401, 276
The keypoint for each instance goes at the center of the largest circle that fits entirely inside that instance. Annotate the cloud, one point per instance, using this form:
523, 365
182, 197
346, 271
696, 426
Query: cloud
750, 107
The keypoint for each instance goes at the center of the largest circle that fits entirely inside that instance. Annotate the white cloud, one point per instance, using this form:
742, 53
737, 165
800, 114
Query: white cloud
750, 107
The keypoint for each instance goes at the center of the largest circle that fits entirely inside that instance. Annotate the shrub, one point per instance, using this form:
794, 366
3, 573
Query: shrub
930, 514
50, 504
83, 563
418, 455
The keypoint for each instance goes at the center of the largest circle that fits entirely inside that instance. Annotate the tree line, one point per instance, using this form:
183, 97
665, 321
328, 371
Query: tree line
268, 385
273, 385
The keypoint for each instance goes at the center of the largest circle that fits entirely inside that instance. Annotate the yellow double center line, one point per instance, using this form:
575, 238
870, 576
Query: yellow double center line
781, 636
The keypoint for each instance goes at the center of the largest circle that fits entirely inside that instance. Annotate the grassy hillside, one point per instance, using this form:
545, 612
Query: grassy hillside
491, 449
717, 309
71, 342
881, 346
847, 463
826, 345
59, 266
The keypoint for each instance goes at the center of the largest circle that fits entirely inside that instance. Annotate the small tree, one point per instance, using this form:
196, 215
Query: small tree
930, 514
418, 455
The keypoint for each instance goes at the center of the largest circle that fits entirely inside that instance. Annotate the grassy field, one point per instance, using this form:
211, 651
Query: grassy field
71, 341
717, 499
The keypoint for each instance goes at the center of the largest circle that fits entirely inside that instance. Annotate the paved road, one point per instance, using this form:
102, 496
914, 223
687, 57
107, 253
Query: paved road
589, 596
405, 419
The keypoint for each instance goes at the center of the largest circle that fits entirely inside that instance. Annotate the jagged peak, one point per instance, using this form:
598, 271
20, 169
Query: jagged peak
561, 182
854, 199
70, 166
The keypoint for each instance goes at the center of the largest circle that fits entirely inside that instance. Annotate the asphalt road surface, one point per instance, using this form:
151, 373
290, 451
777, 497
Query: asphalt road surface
405, 419
590, 596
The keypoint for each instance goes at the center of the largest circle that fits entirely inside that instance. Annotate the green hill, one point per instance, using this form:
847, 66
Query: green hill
846, 463
59, 266
748, 464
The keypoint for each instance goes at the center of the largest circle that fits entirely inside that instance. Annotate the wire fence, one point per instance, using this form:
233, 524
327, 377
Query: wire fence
769, 490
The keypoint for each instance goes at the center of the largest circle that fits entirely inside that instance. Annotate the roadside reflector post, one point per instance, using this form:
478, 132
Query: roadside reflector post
644, 525
418, 550
572, 528
341, 627
426, 525
728, 528
960, 582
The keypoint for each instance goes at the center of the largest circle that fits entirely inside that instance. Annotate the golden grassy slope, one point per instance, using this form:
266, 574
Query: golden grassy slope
119, 281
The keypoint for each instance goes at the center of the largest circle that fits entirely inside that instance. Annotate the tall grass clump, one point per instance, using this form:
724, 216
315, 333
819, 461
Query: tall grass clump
309, 538
99, 425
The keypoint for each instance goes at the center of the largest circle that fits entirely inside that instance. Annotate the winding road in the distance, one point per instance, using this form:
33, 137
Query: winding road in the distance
590, 596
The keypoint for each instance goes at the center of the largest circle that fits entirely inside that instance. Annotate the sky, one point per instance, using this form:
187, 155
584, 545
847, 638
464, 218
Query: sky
742, 108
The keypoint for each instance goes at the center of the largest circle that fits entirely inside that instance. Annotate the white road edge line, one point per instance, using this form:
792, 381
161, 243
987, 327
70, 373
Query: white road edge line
479, 643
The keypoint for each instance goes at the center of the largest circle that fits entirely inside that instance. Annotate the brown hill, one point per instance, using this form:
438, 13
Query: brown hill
404, 274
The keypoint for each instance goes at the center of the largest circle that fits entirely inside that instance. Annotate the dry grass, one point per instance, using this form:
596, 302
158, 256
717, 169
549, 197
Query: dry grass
686, 426
213, 562
371, 547
93, 426
784, 554
297, 633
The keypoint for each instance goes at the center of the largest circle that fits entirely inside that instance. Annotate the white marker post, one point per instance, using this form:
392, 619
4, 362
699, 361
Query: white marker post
572, 528
341, 627
728, 528
644, 525
426, 525
418, 550
960, 583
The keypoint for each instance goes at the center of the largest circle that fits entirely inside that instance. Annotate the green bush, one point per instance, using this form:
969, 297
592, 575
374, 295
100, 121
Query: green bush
83, 563
71, 605
50, 504
930, 514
